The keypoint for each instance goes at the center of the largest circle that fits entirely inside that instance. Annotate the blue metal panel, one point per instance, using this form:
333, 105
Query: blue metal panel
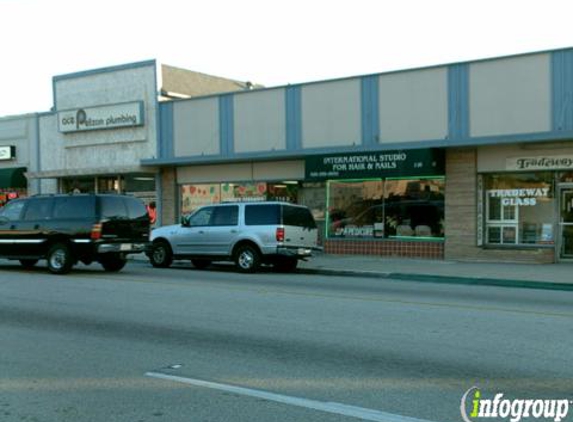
562, 90
370, 110
293, 107
165, 137
458, 102
227, 125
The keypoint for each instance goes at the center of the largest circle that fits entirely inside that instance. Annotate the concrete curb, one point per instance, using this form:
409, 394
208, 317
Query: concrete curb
443, 279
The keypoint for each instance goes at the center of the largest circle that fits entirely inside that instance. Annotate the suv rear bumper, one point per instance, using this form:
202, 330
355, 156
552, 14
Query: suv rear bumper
295, 252
121, 247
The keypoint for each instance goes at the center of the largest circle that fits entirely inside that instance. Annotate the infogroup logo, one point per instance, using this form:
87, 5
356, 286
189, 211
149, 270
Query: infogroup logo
516, 410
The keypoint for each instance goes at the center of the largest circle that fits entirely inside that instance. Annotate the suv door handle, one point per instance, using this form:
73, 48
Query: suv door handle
36, 227
201, 232
234, 231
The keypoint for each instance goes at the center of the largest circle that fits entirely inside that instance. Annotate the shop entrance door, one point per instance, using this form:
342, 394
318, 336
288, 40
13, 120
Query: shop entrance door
566, 223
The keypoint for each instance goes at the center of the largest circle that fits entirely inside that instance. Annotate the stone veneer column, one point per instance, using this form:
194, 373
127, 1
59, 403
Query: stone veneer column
461, 207
169, 196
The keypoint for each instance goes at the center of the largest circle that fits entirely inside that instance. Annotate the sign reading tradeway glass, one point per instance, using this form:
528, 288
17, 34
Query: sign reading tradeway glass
364, 165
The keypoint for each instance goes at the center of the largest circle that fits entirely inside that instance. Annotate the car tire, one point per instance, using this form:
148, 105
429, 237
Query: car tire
161, 255
113, 262
285, 265
60, 260
28, 263
200, 264
247, 259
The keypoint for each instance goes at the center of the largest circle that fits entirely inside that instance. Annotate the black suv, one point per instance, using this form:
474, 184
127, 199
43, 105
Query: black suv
65, 229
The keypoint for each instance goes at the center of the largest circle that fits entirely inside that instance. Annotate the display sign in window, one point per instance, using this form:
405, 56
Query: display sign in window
519, 208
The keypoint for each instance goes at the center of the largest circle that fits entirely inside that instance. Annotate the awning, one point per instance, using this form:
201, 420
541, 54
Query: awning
13, 178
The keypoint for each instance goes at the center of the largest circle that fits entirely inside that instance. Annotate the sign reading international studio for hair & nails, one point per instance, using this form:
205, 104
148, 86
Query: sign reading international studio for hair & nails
395, 163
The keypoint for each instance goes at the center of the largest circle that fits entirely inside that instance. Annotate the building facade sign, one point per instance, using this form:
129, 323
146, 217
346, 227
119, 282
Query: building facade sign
551, 162
101, 117
398, 163
7, 152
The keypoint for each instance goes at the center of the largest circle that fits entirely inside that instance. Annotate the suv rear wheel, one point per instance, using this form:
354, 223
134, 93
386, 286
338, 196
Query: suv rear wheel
60, 260
161, 255
113, 262
247, 258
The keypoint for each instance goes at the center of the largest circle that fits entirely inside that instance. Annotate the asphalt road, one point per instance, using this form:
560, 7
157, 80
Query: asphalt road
91, 346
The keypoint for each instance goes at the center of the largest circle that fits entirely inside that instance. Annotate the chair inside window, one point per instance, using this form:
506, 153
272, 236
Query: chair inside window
422, 230
404, 230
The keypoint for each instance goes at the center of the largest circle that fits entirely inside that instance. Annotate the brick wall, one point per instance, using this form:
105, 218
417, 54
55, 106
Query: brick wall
395, 248
461, 216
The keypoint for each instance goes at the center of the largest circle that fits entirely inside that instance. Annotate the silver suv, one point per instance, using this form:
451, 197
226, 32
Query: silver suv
250, 234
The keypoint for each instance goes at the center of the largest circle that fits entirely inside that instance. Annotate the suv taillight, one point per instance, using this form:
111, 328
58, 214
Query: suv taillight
280, 234
96, 232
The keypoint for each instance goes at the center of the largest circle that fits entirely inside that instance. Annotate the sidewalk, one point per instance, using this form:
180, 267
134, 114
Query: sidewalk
544, 276
537, 276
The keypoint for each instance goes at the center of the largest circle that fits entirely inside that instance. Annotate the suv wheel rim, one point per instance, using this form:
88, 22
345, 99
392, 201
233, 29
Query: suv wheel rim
159, 254
58, 259
246, 259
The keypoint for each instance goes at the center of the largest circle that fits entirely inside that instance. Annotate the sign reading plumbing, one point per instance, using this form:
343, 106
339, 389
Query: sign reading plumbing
101, 117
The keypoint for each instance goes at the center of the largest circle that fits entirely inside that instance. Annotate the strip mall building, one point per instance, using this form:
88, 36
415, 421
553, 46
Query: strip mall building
470, 161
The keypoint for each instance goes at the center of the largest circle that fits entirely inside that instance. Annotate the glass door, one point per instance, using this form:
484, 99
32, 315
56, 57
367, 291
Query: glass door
566, 223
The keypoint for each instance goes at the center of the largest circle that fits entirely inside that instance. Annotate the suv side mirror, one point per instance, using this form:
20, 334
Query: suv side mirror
185, 221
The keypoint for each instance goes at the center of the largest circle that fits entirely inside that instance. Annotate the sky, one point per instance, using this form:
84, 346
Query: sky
269, 42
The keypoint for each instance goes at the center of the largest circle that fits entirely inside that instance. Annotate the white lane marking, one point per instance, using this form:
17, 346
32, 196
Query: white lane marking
329, 407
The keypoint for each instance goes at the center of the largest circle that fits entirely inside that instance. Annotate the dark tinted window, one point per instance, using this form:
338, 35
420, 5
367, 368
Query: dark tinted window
12, 210
262, 215
74, 207
298, 216
38, 209
202, 217
135, 208
225, 216
113, 207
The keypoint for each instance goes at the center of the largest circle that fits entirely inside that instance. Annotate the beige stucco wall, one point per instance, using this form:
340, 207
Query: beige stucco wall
510, 96
413, 105
331, 114
260, 121
196, 127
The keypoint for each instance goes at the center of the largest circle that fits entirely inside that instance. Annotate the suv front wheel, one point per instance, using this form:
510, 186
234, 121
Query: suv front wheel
247, 258
161, 255
60, 260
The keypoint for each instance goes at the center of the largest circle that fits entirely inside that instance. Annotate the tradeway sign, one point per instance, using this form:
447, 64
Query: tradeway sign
379, 164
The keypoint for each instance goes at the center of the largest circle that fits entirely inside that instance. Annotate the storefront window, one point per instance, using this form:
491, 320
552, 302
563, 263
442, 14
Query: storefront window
391, 208
519, 208
195, 196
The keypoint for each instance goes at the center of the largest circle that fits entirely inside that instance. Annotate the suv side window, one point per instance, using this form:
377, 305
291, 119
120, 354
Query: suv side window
113, 207
12, 210
201, 217
74, 207
299, 217
38, 209
262, 215
225, 216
